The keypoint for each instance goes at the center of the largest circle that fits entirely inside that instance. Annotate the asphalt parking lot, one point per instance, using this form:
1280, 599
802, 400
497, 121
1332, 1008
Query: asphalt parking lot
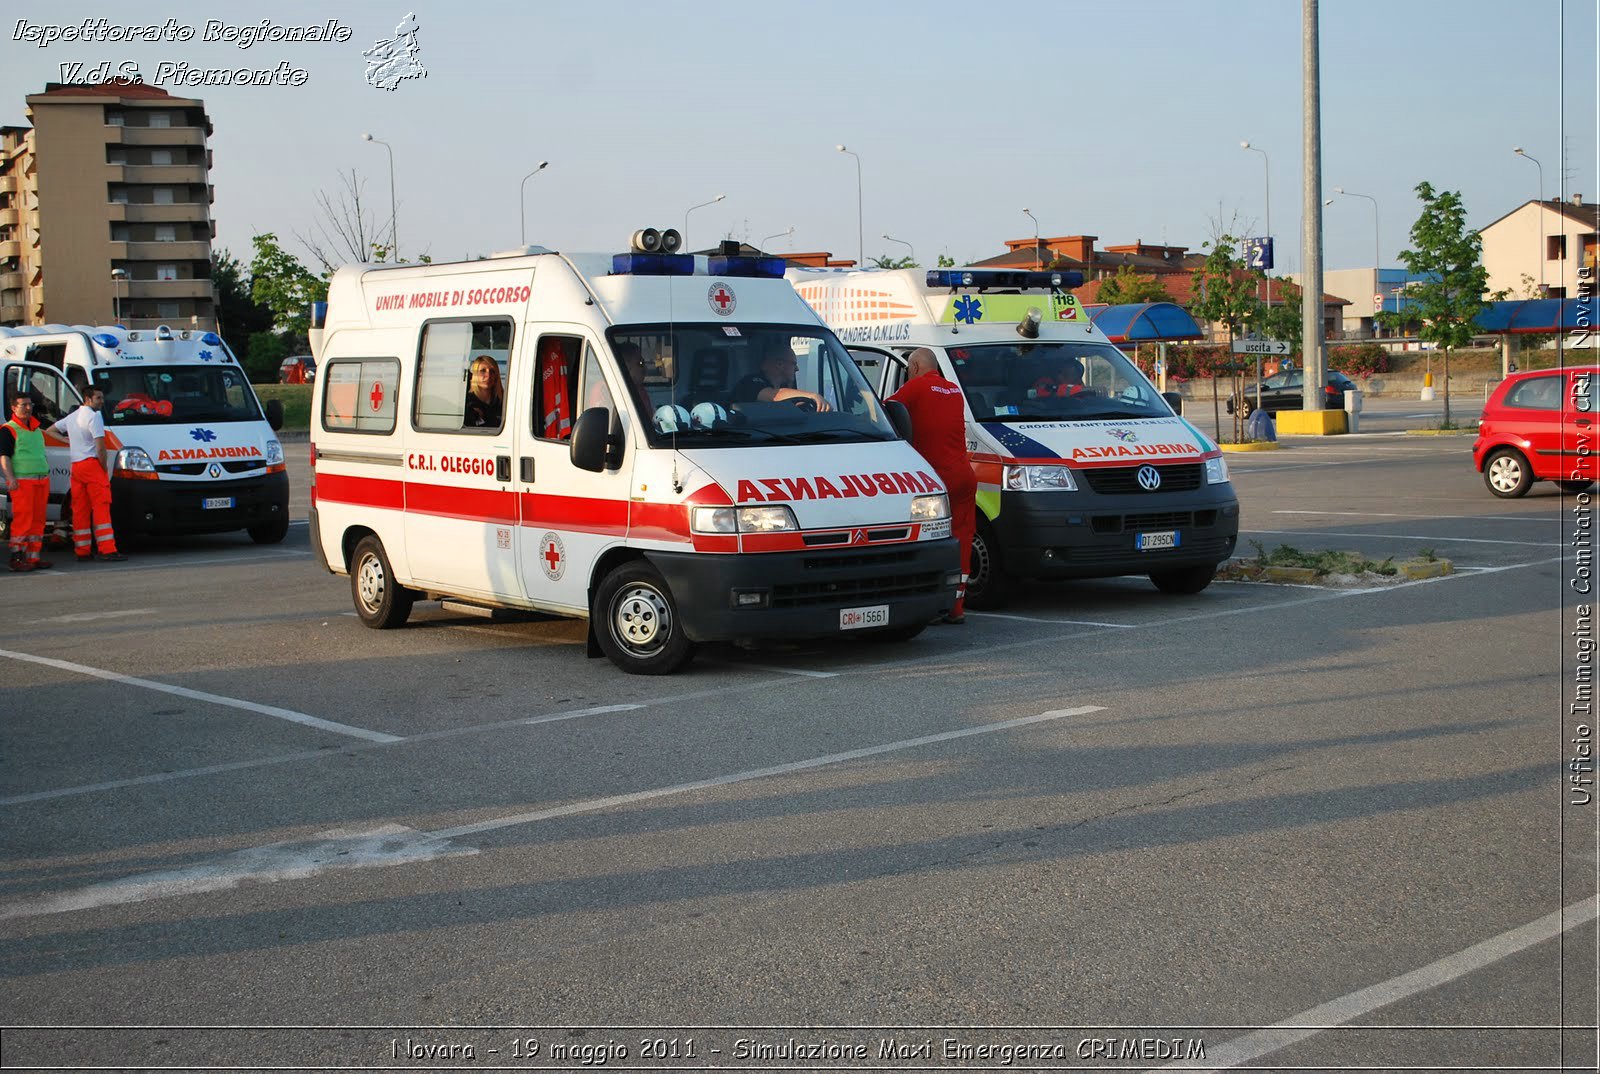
1308, 827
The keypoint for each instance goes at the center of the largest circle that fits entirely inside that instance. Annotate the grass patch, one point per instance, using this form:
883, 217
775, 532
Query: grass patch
296, 404
1325, 562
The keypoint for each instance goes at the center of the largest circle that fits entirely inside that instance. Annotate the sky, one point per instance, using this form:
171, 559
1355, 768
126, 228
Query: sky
1120, 120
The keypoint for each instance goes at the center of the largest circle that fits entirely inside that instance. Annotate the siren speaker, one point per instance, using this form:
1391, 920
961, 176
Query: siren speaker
647, 241
671, 241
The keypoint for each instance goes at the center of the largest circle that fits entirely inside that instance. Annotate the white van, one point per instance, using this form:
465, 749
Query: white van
628, 474
53, 398
194, 450
1084, 470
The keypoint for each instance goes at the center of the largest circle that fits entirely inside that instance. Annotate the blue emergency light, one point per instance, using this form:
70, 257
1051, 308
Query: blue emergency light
211, 339
766, 268
652, 265
106, 340
987, 278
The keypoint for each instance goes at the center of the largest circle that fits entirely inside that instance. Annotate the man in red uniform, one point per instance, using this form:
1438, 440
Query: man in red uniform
939, 433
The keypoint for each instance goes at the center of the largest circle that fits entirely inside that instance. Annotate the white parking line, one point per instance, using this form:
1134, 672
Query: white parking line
1430, 518
89, 617
801, 672
1410, 537
1347, 1008
200, 695
1061, 622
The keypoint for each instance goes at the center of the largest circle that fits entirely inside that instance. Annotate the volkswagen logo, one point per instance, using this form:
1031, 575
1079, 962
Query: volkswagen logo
1149, 478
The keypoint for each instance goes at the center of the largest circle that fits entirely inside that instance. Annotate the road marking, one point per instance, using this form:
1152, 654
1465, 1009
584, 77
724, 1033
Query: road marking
1429, 518
200, 695
595, 804
89, 617
389, 844
1347, 1008
1410, 537
802, 672
1062, 622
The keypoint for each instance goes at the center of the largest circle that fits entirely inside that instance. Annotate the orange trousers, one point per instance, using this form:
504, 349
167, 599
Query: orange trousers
28, 506
91, 509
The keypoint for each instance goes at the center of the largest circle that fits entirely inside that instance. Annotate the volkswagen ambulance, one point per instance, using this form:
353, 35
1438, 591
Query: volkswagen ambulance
594, 436
1084, 470
192, 448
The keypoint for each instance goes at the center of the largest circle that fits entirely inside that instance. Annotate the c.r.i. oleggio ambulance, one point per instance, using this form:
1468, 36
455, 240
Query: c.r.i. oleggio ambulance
605, 437
1084, 470
192, 449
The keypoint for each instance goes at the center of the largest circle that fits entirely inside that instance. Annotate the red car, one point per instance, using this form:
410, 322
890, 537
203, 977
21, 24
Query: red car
1540, 425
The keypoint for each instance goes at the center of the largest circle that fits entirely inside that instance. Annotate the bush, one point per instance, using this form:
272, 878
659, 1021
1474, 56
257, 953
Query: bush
263, 355
1190, 361
1360, 360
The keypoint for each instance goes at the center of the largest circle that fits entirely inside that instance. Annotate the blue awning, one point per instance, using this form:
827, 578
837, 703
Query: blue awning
1541, 315
1145, 322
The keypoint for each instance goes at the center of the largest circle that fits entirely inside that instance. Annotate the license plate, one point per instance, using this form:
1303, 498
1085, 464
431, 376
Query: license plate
1150, 542
212, 503
860, 618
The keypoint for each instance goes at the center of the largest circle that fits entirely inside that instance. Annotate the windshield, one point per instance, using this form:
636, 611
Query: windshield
721, 384
1053, 381
175, 395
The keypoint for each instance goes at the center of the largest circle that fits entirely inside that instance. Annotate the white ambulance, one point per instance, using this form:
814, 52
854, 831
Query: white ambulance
594, 436
1084, 470
192, 448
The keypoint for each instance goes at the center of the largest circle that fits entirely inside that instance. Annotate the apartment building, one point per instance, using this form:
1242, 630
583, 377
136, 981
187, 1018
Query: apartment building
1542, 245
105, 209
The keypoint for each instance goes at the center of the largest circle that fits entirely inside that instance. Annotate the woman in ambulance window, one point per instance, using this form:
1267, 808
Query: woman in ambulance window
486, 396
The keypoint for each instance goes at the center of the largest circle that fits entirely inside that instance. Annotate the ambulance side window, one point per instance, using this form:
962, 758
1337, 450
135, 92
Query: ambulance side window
555, 386
52, 396
359, 395
444, 381
593, 389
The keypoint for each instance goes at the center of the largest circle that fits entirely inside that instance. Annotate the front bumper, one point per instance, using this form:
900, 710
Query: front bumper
164, 506
804, 592
1088, 535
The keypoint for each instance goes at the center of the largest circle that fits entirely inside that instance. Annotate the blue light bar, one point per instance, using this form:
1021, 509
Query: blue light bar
106, 340
211, 339
766, 268
1056, 278
652, 265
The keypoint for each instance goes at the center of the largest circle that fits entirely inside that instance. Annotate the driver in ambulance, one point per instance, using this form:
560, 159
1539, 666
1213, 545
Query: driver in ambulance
775, 382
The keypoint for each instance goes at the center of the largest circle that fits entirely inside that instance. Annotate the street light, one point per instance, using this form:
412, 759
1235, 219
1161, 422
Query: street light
1035, 220
522, 198
394, 222
779, 235
1377, 246
117, 278
691, 209
1266, 171
904, 243
861, 236
1543, 253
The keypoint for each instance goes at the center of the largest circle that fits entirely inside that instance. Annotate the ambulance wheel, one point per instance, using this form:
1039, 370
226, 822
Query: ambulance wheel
1183, 580
381, 602
637, 624
269, 532
987, 583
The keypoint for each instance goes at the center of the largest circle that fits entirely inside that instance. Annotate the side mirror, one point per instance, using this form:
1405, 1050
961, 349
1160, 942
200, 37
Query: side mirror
899, 417
1174, 400
593, 448
275, 414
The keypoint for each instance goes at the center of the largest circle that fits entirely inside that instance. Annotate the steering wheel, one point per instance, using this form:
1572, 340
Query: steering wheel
802, 403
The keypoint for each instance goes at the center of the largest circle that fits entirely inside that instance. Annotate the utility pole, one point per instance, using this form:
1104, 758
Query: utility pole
1316, 372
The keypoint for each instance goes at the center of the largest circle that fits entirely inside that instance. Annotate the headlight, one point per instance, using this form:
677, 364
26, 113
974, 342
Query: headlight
1216, 471
926, 508
742, 519
136, 459
1040, 479
274, 453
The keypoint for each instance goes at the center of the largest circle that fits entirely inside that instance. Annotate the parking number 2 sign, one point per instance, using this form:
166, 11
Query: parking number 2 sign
1258, 253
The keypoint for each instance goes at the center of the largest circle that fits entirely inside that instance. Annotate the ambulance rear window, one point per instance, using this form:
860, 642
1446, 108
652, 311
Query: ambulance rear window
358, 395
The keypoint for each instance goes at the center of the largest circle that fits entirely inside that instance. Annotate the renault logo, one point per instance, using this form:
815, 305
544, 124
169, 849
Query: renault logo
1149, 478
216, 471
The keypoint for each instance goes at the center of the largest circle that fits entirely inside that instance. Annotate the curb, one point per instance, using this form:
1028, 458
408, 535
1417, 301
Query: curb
1425, 568
1441, 432
1254, 445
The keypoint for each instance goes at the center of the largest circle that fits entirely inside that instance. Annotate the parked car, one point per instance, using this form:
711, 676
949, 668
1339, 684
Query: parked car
298, 369
1283, 391
1540, 425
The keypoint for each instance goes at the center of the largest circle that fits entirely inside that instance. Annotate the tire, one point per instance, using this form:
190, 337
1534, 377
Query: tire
269, 532
1183, 580
637, 624
1507, 474
1575, 486
381, 602
988, 586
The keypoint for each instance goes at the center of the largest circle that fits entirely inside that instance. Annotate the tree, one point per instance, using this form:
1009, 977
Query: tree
1226, 293
1128, 286
1281, 320
885, 261
1449, 259
238, 315
347, 233
265, 354
285, 286
945, 262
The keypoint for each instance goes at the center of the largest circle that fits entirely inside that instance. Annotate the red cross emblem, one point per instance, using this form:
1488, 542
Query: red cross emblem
721, 298
552, 556
377, 395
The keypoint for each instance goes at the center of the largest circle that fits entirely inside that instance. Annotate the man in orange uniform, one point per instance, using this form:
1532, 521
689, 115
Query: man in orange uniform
939, 433
85, 431
26, 472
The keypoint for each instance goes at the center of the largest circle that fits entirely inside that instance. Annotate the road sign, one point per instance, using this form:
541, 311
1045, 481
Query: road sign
1258, 253
1261, 346
1377, 302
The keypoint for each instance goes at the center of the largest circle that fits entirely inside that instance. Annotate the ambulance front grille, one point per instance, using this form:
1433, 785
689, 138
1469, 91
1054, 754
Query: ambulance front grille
1119, 480
872, 589
195, 469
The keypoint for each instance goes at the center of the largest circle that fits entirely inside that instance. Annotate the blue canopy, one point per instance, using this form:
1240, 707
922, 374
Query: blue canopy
1541, 315
1145, 322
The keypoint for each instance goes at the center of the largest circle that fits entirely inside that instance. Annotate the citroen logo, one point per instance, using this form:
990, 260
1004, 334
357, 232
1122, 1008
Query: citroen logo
1149, 478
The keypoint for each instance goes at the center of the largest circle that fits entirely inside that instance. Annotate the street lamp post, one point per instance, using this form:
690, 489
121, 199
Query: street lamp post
904, 243
691, 209
1035, 220
778, 235
1543, 253
522, 198
1377, 246
118, 276
861, 235
394, 221
1266, 173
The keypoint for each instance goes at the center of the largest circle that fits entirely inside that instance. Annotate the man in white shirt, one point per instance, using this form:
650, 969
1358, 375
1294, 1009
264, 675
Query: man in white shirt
85, 431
